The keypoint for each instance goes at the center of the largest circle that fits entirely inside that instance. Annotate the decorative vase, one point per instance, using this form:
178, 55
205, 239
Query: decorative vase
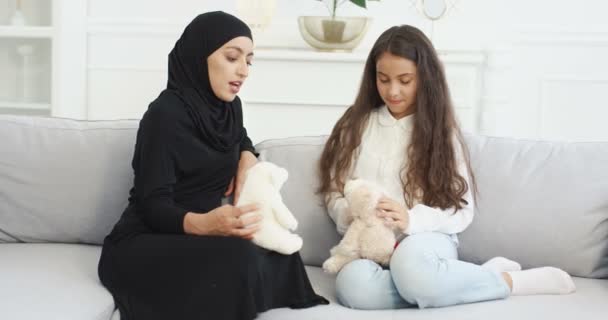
18, 19
257, 14
25, 83
333, 34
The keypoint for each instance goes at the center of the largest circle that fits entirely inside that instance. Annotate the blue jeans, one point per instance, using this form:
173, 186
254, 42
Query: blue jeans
424, 272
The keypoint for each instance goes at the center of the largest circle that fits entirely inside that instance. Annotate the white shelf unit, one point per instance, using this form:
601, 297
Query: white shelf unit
27, 72
26, 57
25, 32
24, 105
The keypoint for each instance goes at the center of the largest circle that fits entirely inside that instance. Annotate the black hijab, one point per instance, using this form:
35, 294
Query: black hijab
219, 123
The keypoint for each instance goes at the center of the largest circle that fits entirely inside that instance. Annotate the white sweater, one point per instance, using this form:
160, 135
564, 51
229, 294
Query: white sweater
382, 154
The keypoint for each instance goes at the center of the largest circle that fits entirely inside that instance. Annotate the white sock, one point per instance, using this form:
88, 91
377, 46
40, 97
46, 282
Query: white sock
546, 280
500, 264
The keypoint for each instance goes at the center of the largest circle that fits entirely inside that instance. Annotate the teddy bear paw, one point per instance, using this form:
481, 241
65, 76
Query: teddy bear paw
292, 225
331, 265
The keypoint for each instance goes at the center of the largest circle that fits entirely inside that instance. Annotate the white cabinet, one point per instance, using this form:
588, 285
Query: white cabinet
26, 51
43, 57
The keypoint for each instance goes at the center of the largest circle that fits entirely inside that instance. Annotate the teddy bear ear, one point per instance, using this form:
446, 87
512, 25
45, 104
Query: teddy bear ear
351, 184
279, 176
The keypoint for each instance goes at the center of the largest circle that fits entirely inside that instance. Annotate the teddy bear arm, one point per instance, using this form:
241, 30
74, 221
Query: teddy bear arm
282, 214
350, 241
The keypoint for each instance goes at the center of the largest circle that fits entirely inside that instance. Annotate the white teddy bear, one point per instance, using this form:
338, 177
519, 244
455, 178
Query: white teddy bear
262, 185
367, 236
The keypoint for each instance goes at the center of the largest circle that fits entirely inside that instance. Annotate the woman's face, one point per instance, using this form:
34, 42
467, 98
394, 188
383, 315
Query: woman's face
229, 67
396, 81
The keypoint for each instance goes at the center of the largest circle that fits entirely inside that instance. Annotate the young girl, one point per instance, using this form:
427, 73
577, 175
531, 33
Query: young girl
401, 133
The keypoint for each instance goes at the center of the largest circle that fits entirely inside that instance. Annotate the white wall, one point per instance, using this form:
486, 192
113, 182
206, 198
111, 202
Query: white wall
533, 69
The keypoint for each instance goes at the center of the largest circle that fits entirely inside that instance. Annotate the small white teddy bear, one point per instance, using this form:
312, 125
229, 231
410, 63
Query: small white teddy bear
367, 237
262, 185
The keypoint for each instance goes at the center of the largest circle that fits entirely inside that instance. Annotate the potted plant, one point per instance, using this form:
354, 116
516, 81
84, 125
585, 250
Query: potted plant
334, 32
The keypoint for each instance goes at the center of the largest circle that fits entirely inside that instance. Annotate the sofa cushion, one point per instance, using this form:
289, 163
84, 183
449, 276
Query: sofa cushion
52, 281
59, 281
63, 180
300, 157
540, 203
589, 302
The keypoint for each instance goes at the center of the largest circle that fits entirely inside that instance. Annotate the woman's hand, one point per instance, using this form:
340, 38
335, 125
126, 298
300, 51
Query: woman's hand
226, 220
247, 161
396, 216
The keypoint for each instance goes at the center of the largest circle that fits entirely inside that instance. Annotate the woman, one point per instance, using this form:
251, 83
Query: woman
176, 252
401, 133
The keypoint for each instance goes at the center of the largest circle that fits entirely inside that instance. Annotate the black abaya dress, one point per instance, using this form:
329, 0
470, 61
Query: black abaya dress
154, 270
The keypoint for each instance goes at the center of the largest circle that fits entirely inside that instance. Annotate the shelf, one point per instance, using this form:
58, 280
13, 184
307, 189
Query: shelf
25, 32
24, 105
309, 55
358, 56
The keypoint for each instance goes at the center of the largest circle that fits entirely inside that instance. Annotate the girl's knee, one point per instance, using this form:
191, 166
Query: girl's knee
355, 284
415, 273
355, 275
423, 289
421, 252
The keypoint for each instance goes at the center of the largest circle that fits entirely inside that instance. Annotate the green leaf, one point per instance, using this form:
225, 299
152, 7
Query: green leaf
360, 3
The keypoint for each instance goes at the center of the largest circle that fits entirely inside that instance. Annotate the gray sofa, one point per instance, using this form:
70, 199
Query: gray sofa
64, 183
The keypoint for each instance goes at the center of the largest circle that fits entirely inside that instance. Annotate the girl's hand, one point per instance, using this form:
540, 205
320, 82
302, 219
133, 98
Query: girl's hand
395, 215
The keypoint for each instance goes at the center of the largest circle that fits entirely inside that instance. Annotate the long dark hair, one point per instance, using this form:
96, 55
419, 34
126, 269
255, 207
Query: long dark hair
431, 175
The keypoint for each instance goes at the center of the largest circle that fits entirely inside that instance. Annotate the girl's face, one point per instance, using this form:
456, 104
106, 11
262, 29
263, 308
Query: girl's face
396, 81
229, 67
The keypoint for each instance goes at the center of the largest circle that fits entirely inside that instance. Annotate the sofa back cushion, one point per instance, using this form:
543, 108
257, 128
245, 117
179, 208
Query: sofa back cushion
300, 157
541, 204
63, 180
